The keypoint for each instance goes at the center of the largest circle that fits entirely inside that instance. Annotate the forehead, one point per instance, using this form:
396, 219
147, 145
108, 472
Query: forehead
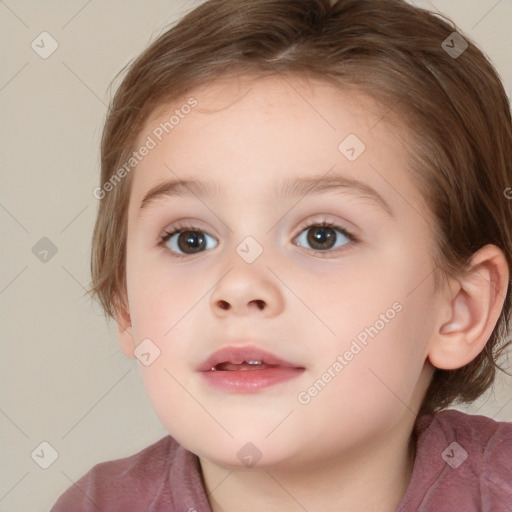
247, 132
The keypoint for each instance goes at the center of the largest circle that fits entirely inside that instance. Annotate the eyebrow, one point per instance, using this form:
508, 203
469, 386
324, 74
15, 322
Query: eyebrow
289, 188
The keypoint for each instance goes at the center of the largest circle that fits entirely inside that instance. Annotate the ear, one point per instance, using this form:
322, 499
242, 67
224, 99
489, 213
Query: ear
471, 310
124, 328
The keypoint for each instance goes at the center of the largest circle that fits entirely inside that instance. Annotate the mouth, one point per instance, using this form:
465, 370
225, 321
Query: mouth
242, 366
246, 369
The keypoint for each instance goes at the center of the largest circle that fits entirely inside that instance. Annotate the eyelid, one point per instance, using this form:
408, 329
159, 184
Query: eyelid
185, 225
324, 220
180, 226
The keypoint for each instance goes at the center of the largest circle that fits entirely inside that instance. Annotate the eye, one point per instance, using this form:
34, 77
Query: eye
324, 236
187, 240
321, 236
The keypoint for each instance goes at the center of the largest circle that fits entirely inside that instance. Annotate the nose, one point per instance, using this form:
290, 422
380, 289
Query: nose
247, 291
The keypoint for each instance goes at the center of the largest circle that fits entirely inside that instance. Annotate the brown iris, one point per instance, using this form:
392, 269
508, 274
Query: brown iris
194, 240
321, 237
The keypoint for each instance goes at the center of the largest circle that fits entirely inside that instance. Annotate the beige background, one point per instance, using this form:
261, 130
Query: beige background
63, 378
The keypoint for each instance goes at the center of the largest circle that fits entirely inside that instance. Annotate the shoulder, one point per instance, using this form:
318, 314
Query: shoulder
485, 437
128, 482
487, 441
471, 424
462, 462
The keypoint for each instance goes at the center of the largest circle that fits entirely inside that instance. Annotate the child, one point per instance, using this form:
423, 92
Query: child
304, 235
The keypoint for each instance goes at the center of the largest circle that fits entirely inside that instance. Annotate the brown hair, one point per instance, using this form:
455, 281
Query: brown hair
454, 105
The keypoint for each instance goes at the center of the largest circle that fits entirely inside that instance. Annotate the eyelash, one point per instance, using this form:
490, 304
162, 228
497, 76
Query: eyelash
323, 223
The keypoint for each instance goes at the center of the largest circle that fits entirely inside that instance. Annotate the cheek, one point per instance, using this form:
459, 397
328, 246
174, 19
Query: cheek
166, 390
374, 383
382, 326
160, 295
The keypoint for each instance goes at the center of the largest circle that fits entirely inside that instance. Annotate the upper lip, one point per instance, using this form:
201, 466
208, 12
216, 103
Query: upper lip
237, 354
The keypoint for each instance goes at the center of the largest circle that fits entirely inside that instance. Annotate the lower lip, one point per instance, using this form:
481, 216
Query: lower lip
250, 381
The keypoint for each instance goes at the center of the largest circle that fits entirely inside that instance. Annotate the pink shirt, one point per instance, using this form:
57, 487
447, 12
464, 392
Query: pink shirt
463, 464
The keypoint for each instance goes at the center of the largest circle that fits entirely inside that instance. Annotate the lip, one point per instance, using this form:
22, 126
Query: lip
235, 354
247, 381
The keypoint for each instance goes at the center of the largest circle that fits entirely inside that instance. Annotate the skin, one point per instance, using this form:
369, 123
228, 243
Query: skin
247, 136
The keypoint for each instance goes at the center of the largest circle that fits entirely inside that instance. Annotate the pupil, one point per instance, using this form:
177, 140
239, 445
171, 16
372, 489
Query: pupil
192, 240
321, 237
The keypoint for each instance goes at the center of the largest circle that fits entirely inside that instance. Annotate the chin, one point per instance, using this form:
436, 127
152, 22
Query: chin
252, 456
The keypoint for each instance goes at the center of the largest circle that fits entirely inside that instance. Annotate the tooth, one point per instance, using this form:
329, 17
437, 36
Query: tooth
253, 362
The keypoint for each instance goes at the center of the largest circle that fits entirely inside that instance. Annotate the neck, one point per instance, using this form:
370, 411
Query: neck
370, 478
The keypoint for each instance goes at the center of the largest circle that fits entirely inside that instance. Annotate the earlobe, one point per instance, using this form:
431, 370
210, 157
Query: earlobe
472, 308
124, 328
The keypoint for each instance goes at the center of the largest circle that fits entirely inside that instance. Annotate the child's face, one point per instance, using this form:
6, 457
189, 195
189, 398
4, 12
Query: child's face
304, 303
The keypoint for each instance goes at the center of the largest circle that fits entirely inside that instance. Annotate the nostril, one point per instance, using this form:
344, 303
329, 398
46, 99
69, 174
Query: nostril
260, 304
223, 304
